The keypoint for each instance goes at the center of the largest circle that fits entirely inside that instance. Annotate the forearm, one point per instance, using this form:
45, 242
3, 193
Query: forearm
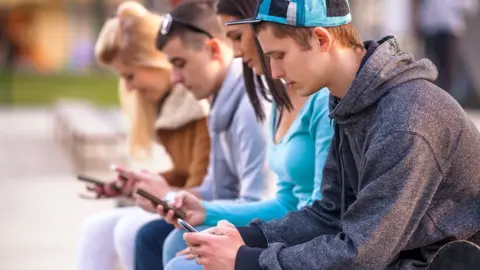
241, 214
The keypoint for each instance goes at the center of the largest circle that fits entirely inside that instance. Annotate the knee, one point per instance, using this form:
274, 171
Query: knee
152, 234
174, 237
173, 244
124, 234
182, 263
97, 226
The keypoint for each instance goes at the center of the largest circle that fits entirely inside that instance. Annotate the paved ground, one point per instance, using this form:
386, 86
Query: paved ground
40, 213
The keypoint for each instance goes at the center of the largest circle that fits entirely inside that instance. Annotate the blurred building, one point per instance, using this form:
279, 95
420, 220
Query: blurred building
55, 35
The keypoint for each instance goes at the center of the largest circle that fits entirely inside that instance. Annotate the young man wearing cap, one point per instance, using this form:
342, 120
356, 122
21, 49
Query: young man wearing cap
402, 176
202, 60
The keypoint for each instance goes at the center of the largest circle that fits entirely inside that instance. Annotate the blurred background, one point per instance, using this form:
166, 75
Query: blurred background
59, 112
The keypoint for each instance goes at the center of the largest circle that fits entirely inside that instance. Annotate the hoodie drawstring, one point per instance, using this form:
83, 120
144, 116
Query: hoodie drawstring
338, 148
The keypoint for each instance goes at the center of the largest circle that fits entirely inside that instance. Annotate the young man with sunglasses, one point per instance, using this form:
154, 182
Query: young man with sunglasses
202, 60
402, 177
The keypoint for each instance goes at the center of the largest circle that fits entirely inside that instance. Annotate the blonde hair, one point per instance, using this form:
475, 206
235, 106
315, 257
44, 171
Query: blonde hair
130, 38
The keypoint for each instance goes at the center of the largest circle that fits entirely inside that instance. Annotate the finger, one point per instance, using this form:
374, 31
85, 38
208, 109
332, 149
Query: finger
199, 250
108, 189
120, 170
161, 212
184, 252
222, 230
128, 187
201, 260
190, 257
225, 223
178, 201
197, 239
170, 217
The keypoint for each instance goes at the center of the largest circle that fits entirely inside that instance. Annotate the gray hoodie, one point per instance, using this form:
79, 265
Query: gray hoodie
401, 179
237, 170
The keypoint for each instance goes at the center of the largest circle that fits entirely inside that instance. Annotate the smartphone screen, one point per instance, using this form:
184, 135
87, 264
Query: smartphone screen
186, 226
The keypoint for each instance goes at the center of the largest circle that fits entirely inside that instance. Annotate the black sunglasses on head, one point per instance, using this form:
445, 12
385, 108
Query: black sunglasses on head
169, 23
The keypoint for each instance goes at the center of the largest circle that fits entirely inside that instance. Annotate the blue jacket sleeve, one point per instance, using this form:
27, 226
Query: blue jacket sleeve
242, 214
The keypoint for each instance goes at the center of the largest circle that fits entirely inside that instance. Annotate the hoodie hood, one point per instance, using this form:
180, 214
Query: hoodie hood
180, 108
384, 68
228, 98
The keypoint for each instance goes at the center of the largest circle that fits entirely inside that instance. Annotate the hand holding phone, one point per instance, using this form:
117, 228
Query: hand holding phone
156, 201
101, 189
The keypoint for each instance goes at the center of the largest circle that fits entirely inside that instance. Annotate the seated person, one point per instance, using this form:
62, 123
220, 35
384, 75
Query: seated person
402, 177
157, 109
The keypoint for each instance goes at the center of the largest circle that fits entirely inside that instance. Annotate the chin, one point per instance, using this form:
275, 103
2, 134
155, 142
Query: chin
258, 71
305, 92
199, 96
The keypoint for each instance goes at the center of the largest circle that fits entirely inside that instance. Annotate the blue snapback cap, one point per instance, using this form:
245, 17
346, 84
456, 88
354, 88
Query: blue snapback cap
301, 13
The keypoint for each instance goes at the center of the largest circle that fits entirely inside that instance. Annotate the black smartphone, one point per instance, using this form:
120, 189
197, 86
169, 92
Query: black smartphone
90, 180
186, 226
98, 182
156, 201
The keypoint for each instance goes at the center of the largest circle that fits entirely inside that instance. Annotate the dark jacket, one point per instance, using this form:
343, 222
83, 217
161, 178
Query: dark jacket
401, 179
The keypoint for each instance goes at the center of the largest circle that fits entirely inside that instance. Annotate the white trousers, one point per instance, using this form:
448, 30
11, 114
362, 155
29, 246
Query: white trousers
109, 236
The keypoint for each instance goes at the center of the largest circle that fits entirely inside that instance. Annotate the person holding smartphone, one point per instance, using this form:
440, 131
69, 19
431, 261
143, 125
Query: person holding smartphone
299, 139
203, 60
402, 176
157, 109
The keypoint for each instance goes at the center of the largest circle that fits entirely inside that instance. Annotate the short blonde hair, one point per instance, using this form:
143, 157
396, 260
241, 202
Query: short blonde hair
130, 38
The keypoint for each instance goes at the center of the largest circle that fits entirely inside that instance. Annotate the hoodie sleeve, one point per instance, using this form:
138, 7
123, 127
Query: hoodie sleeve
399, 177
251, 154
205, 190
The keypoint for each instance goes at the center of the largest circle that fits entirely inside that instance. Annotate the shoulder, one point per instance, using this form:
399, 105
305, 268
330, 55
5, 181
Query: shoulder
245, 115
318, 102
317, 111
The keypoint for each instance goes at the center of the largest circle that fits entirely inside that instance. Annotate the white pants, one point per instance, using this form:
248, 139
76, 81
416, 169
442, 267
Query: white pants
111, 235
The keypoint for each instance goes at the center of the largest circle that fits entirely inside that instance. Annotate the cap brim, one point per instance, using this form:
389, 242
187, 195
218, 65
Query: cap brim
247, 21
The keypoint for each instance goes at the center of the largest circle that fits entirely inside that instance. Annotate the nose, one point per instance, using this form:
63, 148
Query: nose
276, 69
237, 51
176, 77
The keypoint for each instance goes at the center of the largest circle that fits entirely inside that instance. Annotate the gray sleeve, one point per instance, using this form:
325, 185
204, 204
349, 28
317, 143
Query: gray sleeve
400, 175
206, 188
250, 145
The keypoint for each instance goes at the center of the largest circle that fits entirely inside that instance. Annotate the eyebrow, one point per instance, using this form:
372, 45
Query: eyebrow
231, 32
269, 53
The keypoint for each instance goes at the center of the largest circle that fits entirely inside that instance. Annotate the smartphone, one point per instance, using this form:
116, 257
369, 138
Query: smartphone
156, 201
95, 181
90, 180
186, 226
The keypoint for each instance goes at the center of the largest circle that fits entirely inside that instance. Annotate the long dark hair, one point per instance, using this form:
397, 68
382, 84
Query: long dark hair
244, 9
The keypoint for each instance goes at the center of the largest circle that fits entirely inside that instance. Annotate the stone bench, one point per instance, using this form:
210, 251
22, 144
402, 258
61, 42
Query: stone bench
92, 137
